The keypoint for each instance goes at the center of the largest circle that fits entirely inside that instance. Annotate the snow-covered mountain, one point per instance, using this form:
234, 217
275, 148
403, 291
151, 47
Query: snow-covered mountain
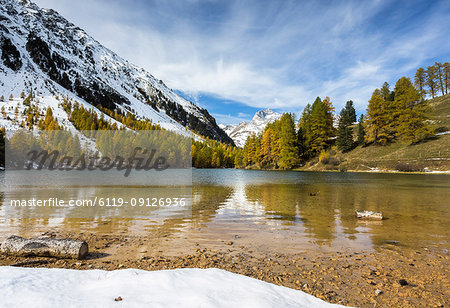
239, 133
41, 51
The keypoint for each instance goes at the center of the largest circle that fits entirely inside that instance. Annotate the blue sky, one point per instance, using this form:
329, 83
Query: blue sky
236, 57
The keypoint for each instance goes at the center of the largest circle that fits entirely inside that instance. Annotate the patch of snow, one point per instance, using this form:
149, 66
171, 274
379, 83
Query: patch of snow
85, 58
239, 133
428, 170
41, 287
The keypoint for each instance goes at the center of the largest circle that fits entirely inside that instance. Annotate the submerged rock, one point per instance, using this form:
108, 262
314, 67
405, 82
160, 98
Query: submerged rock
369, 215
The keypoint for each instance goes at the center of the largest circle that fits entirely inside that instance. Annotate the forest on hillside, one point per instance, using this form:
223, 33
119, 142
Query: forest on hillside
397, 115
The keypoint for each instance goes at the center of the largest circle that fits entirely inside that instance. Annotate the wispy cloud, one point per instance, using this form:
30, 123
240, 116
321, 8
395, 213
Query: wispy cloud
277, 54
229, 119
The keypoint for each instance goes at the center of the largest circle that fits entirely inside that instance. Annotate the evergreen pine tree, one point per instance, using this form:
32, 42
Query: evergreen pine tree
304, 133
321, 127
301, 143
347, 117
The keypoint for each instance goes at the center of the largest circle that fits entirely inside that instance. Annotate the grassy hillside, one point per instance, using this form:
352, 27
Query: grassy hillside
433, 154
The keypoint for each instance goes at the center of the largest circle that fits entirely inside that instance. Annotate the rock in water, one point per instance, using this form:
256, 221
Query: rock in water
45, 247
369, 215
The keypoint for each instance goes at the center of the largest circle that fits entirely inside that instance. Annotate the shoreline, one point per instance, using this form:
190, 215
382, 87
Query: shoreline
360, 278
433, 172
377, 171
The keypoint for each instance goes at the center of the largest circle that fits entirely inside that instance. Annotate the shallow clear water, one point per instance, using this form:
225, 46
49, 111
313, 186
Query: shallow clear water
275, 205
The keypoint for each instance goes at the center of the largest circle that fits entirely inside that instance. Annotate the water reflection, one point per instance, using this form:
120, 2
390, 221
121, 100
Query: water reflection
281, 204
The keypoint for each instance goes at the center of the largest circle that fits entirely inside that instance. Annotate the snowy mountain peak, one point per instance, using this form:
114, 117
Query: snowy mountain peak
239, 133
266, 113
41, 51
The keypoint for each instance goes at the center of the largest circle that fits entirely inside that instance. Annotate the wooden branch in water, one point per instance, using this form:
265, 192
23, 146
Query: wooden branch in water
45, 247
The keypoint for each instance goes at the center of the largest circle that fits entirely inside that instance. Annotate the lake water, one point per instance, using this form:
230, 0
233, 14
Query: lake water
273, 208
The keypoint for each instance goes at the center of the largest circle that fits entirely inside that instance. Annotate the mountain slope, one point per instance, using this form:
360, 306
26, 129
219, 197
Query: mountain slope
430, 155
239, 133
42, 51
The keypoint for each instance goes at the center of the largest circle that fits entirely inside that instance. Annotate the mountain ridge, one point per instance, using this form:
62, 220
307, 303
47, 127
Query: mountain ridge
42, 51
240, 132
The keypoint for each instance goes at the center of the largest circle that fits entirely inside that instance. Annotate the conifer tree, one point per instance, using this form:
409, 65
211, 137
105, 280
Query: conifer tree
347, 117
378, 120
288, 142
361, 132
266, 147
48, 117
304, 133
431, 80
250, 150
348, 113
321, 120
386, 92
301, 143
215, 161
2, 98
419, 81
409, 116
2, 146
446, 74
75, 147
440, 76
329, 109
239, 160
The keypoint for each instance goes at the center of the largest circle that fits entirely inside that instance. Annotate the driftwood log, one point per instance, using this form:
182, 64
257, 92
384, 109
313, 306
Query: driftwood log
369, 215
44, 247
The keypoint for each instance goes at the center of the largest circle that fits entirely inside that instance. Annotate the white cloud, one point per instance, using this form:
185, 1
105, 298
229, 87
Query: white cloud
243, 115
276, 54
229, 119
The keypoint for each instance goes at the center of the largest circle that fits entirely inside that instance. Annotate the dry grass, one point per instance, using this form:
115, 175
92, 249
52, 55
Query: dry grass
433, 154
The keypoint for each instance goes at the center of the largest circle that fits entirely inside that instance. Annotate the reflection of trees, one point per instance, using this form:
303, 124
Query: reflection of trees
292, 202
207, 200
278, 200
417, 214
317, 213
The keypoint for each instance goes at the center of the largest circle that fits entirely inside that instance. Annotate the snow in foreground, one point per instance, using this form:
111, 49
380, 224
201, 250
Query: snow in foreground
40, 287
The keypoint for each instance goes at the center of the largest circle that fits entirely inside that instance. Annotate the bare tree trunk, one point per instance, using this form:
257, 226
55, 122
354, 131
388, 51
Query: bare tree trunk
44, 247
